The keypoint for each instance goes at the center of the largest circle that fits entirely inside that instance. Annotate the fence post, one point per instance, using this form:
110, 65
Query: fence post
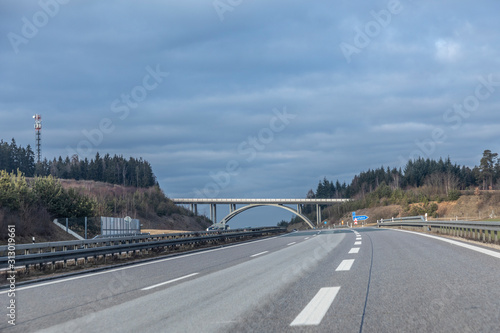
66, 225
85, 227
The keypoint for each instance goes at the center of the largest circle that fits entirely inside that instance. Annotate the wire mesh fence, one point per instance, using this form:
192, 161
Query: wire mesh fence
86, 227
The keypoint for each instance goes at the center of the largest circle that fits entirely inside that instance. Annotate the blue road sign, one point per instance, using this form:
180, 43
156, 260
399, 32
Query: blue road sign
359, 217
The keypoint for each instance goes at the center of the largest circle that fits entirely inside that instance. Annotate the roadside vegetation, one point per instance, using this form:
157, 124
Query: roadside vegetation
33, 194
417, 189
32, 203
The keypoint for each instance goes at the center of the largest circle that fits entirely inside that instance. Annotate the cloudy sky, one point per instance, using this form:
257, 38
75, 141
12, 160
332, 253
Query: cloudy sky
240, 98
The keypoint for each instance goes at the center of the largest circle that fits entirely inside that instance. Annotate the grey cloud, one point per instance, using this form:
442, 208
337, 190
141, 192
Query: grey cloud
226, 77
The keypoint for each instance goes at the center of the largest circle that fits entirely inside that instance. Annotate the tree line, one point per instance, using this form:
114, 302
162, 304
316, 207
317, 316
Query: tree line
423, 181
114, 170
442, 175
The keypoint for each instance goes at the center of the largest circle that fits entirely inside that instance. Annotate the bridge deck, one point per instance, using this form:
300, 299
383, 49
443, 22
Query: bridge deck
257, 201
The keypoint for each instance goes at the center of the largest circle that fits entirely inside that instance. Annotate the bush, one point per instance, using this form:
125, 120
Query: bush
453, 195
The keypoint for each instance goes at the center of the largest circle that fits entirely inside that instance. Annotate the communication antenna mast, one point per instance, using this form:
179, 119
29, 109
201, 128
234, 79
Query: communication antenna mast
38, 130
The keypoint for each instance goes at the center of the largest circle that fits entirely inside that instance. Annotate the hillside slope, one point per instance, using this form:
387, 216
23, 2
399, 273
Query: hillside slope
33, 218
484, 206
467, 207
149, 205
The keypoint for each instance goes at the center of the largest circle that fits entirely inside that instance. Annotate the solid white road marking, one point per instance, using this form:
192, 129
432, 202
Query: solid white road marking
354, 250
291, 243
306, 238
345, 265
258, 254
170, 281
467, 246
314, 312
357, 243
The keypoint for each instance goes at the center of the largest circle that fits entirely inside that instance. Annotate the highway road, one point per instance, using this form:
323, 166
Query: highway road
352, 280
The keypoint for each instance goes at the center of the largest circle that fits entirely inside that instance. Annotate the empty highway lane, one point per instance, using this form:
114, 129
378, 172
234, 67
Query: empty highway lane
357, 280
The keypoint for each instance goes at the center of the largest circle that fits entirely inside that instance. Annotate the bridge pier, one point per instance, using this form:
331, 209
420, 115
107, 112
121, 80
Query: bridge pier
318, 215
213, 213
232, 208
194, 208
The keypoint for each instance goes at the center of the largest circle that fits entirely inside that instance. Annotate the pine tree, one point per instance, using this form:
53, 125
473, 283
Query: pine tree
487, 167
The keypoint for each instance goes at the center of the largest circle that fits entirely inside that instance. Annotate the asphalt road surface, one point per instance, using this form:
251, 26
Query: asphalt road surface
352, 280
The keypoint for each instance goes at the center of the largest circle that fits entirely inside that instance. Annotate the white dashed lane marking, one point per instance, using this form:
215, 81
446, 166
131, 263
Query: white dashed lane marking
258, 254
170, 281
345, 265
314, 312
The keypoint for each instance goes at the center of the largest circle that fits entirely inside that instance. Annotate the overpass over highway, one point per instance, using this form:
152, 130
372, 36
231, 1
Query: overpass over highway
252, 203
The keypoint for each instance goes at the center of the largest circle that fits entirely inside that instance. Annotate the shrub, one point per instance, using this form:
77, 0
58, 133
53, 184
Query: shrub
453, 195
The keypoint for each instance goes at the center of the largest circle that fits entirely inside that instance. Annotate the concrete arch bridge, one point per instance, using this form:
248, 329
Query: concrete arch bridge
252, 203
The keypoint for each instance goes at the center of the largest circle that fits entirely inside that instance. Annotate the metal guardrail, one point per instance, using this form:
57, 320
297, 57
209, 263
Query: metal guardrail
405, 218
484, 231
51, 252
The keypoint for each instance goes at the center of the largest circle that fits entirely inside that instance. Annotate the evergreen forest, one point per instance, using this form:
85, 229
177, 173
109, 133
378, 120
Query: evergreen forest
114, 170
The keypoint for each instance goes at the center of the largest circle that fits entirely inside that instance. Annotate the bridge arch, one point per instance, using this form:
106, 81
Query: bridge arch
244, 208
